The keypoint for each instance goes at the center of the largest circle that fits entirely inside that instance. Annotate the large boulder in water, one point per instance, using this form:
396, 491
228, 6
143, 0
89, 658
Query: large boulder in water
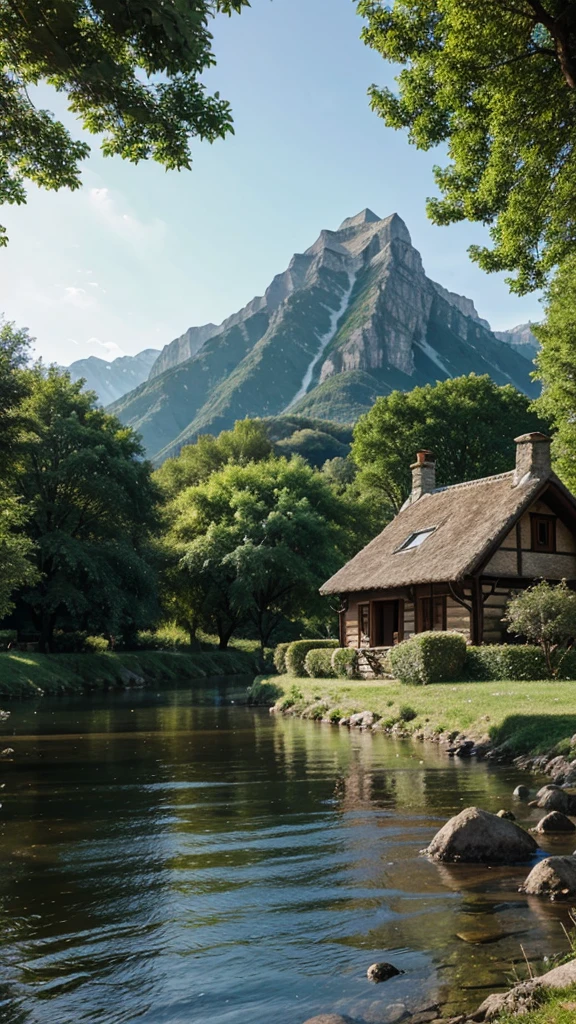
554, 876
477, 837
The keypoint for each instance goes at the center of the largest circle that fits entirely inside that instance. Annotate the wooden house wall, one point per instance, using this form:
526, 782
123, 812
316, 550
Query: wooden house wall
457, 616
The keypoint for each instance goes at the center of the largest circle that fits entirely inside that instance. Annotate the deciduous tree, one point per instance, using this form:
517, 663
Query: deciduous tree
92, 509
132, 71
545, 615
496, 83
468, 422
257, 541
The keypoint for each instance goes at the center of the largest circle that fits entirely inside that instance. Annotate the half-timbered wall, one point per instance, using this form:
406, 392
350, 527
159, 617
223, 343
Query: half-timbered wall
515, 556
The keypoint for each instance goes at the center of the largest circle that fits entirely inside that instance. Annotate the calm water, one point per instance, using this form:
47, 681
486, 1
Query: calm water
165, 863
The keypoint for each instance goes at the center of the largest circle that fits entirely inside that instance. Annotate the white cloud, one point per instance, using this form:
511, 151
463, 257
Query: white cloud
123, 223
111, 347
78, 297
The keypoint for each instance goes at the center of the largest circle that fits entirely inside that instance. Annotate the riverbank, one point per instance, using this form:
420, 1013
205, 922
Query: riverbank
29, 675
515, 718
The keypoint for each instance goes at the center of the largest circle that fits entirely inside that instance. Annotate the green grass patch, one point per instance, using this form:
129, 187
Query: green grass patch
558, 1007
27, 675
528, 717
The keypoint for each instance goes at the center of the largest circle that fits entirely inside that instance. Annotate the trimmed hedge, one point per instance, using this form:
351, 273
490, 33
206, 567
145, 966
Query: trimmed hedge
318, 664
345, 663
280, 657
297, 651
513, 661
432, 657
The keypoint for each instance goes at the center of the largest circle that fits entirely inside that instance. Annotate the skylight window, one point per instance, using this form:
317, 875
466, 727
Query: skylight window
416, 539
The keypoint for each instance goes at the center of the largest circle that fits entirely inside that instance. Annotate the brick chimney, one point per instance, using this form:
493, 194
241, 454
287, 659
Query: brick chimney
423, 475
532, 456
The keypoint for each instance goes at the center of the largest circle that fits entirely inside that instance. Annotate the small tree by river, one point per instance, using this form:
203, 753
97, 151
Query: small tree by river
545, 615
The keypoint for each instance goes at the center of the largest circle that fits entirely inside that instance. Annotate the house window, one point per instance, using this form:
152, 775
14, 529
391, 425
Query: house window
414, 540
431, 614
363, 625
543, 533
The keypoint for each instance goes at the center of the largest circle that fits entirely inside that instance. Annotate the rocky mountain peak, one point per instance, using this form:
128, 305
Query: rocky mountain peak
352, 317
364, 217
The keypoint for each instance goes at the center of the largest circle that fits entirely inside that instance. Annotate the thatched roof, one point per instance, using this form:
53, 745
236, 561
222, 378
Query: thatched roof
468, 520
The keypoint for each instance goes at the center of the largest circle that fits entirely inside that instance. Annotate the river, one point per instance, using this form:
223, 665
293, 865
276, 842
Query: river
164, 862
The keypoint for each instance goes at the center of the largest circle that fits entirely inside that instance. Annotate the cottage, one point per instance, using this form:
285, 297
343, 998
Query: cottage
452, 555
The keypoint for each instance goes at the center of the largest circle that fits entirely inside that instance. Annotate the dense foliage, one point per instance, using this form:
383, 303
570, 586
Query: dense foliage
429, 658
15, 548
92, 509
318, 664
468, 422
546, 615
555, 363
132, 73
496, 83
297, 652
254, 544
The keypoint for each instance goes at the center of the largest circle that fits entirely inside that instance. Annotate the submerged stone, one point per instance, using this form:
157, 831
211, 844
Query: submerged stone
329, 1018
382, 972
475, 836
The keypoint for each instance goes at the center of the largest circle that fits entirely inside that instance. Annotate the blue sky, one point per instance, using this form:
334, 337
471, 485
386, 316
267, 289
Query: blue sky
139, 255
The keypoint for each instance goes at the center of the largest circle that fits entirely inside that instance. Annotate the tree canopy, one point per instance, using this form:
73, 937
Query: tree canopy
468, 422
247, 442
132, 72
255, 543
495, 82
15, 548
91, 509
556, 362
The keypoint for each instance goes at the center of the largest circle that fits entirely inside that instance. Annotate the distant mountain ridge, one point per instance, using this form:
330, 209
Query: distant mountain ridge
113, 379
352, 317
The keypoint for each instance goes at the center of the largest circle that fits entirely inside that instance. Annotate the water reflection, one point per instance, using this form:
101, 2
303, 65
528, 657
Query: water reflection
166, 862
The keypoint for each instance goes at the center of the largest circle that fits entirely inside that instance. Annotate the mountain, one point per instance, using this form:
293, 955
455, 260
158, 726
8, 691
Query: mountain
353, 317
112, 380
521, 339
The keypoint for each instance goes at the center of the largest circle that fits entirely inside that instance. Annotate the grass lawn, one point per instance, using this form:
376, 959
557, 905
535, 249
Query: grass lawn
25, 675
530, 717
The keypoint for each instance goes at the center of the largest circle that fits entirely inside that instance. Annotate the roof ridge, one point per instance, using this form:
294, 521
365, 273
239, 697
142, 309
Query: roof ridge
471, 483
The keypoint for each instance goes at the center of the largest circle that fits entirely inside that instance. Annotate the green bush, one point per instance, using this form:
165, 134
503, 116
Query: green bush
96, 645
345, 663
6, 638
297, 651
280, 657
166, 638
514, 661
429, 658
262, 691
406, 713
68, 641
318, 664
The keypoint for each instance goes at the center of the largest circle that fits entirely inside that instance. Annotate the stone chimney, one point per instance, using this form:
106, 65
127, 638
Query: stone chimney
532, 457
423, 475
